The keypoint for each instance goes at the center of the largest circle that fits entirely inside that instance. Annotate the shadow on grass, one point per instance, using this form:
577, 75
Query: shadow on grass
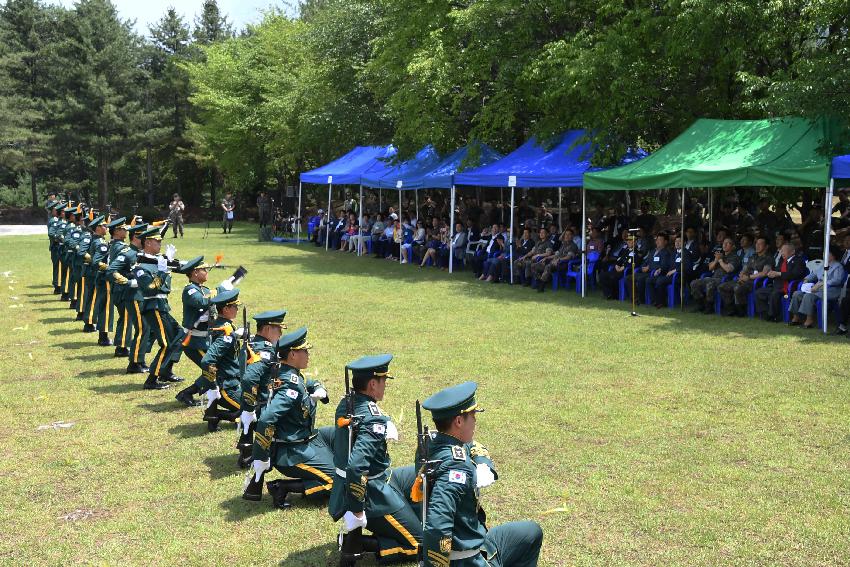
222, 466
317, 262
322, 554
169, 405
117, 388
189, 430
99, 373
102, 355
60, 319
76, 345
237, 509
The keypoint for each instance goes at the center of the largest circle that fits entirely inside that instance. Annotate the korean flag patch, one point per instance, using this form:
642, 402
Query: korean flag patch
265, 355
140, 273
379, 429
292, 393
457, 477
103, 248
191, 291
228, 339
120, 258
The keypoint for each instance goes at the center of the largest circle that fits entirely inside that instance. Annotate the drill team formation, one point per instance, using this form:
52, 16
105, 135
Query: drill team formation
429, 511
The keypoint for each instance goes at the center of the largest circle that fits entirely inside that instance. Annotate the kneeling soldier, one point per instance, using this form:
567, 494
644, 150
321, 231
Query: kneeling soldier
285, 433
257, 377
362, 494
454, 532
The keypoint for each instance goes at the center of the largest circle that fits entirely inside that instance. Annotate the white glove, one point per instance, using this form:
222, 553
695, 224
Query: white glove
247, 418
134, 283
352, 522
484, 475
161, 263
212, 395
392, 432
319, 394
260, 467
239, 333
170, 251
226, 285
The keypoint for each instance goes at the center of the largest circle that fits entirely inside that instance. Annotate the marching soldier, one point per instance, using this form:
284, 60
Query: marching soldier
115, 290
125, 291
285, 432
362, 494
94, 256
257, 377
220, 366
153, 277
454, 532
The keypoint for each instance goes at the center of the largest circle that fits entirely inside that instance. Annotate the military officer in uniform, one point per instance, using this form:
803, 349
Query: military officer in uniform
63, 234
220, 366
733, 293
57, 222
454, 533
725, 263
285, 433
79, 267
102, 311
123, 328
153, 276
362, 494
258, 374
541, 250
543, 269
96, 254
73, 233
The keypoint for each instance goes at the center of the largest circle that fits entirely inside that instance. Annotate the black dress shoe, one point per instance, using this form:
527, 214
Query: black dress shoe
840, 331
64, 297
57, 290
89, 328
186, 398
212, 418
135, 368
80, 317
145, 367
171, 378
103, 339
121, 352
154, 385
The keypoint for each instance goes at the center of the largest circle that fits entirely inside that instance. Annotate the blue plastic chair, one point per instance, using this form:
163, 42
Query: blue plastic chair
572, 271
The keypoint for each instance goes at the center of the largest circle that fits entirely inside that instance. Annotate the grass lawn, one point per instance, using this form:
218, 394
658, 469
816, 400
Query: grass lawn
667, 439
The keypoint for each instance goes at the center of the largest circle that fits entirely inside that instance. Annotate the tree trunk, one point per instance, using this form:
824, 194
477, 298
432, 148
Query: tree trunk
102, 187
34, 189
672, 201
149, 172
212, 188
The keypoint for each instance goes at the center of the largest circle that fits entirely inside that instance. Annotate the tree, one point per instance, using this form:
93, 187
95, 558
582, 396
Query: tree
211, 26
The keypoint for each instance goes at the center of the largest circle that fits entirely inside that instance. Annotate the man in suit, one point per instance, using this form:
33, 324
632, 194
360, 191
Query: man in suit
769, 299
655, 266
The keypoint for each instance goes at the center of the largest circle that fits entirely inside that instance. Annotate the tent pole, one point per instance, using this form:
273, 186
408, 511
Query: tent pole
560, 211
452, 230
682, 257
502, 202
827, 228
298, 217
511, 239
360, 226
710, 214
328, 227
401, 226
583, 239
380, 204
416, 196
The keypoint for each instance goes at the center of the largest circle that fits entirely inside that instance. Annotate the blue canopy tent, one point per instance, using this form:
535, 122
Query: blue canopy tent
840, 170
345, 170
562, 163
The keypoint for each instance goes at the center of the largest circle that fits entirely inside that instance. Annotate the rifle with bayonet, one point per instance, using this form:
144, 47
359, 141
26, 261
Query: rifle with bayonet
351, 544
425, 472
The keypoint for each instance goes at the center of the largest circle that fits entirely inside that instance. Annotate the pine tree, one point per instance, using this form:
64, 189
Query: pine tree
211, 26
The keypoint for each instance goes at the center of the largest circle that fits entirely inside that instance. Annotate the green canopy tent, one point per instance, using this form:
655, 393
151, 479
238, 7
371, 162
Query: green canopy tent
781, 152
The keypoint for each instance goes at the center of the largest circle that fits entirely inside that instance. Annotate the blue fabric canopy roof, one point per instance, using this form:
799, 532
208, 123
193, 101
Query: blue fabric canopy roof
348, 169
391, 176
841, 167
443, 174
532, 165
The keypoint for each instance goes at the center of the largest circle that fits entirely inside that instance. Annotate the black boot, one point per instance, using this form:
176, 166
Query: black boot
103, 339
135, 368
254, 490
80, 317
57, 290
186, 396
88, 327
145, 367
170, 377
152, 384
244, 445
211, 417
64, 297
72, 304
282, 489
121, 352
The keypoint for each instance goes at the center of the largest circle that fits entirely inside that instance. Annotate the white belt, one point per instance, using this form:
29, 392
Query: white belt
196, 333
341, 473
458, 555
158, 296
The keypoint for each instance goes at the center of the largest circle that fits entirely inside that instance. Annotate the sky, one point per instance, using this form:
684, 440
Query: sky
148, 12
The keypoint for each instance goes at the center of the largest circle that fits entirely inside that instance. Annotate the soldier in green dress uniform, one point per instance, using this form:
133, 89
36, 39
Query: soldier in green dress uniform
153, 277
78, 265
115, 292
93, 257
73, 233
197, 307
362, 494
220, 367
102, 312
65, 269
455, 533
285, 433
260, 366
55, 223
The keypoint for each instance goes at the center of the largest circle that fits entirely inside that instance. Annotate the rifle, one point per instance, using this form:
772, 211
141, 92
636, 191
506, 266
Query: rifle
243, 360
419, 492
351, 544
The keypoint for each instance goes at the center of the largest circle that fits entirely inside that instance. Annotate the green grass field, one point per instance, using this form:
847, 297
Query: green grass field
667, 439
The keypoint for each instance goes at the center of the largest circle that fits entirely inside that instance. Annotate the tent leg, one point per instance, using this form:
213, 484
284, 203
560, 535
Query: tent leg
560, 210
827, 228
511, 239
710, 215
328, 227
452, 230
583, 240
416, 196
401, 244
298, 216
682, 257
502, 202
360, 226
380, 204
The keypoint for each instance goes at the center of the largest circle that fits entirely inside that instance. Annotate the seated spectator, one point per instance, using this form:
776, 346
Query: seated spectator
458, 245
842, 207
362, 236
397, 240
439, 241
541, 250
803, 301
595, 243
566, 251
769, 299
383, 247
659, 289
745, 250
655, 265
692, 256
609, 279
414, 235
337, 230
350, 231
734, 293
484, 250
492, 269
377, 230
612, 251
726, 263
